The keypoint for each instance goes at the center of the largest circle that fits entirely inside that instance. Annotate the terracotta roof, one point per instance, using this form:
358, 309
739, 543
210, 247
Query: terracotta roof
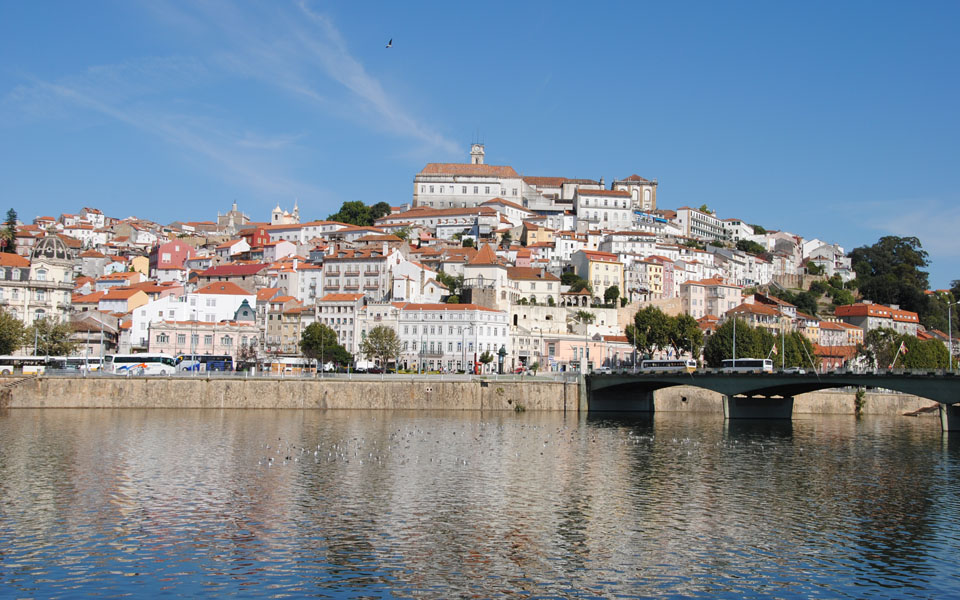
93, 298
505, 203
601, 256
484, 256
876, 310
618, 193
545, 181
224, 287
228, 244
120, 294
757, 309
9, 259
530, 273
412, 306
92, 254
340, 298
264, 294
468, 169
835, 351
636, 177
233, 270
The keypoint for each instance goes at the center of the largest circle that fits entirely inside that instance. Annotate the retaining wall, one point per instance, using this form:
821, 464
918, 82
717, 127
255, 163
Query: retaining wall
192, 392
693, 399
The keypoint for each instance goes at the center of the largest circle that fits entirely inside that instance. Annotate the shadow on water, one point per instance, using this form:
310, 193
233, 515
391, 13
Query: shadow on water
759, 428
616, 420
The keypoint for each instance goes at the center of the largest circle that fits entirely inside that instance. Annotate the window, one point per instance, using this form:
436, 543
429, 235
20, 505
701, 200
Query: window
165, 257
431, 189
41, 275
181, 339
162, 338
226, 341
208, 340
486, 189
463, 190
476, 189
41, 296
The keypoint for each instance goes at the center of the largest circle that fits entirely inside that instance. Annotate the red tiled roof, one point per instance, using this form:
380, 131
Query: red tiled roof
545, 181
484, 256
9, 259
233, 270
530, 273
223, 287
340, 298
468, 169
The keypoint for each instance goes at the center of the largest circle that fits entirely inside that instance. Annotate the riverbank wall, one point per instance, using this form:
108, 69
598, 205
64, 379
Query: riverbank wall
199, 392
824, 402
405, 394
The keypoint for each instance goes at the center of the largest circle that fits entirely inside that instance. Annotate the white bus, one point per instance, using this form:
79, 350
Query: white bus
669, 366
747, 365
139, 364
74, 363
22, 365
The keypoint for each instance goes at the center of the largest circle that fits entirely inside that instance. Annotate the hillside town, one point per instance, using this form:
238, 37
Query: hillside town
539, 272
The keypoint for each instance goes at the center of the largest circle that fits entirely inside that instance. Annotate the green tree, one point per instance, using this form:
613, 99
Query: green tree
705, 209
468, 242
750, 247
611, 294
650, 330
751, 343
354, 213
569, 278
506, 239
52, 337
584, 317
879, 347
380, 209
814, 269
8, 237
453, 299
929, 354
889, 272
581, 284
551, 301
757, 229
534, 367
319, 342
403, 233
453, 283
685, 335
381, 342
12, 333
486, 358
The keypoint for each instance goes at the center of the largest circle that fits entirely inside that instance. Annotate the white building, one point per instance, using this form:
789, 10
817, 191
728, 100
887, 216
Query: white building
449, 185
212, 303
450, 337
699, 225
603, 209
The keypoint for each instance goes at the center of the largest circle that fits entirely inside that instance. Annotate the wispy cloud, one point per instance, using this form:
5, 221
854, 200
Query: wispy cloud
935, 222
119, 93
301, 51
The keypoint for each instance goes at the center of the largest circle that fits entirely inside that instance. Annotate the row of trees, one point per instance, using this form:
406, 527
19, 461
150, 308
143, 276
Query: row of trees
880, 348
319, 342
653, 330
52, 338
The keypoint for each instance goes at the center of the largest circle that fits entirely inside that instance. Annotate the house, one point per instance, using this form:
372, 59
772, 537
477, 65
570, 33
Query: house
601, 270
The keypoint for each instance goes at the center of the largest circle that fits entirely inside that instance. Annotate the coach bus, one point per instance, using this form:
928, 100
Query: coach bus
687, 365
747, 365
204, 362
148, 363
22, 365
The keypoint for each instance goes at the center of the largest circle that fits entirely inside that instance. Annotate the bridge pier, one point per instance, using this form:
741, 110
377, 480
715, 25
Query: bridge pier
735, 407
950, 417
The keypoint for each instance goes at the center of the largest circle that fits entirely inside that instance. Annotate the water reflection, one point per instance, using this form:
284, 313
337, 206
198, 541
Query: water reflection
381, 504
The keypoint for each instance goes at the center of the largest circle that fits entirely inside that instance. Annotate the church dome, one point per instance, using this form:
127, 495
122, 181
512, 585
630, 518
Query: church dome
50, 247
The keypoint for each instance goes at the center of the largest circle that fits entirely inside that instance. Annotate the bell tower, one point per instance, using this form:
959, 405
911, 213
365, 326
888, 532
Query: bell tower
476, 154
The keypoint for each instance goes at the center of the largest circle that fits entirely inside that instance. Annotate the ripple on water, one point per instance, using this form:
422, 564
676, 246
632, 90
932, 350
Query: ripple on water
380, 505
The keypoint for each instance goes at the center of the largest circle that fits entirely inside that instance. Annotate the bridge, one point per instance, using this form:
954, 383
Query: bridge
769, 395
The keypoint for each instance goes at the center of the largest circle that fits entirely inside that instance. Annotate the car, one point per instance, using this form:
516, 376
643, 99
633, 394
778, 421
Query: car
795, 370
602, 370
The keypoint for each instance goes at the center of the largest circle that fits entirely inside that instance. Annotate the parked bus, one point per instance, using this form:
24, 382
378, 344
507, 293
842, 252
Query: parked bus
288, 365
747, 365
147, 363
204, 362
74, 363
669, 366
22, 365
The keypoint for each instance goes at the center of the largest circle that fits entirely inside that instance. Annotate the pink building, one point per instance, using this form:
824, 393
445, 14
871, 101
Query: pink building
169, 255
202, 337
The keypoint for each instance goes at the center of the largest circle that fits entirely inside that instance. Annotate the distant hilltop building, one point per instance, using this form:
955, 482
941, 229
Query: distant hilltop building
467, 185
282, 217
233, 221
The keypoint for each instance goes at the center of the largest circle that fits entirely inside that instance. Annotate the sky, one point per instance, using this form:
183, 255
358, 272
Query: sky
835, 120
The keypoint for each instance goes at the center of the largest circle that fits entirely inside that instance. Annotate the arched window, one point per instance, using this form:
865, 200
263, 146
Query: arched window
41, 275
646, 198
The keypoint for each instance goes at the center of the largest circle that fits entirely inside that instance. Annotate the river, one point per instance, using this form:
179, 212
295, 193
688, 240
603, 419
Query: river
364, 504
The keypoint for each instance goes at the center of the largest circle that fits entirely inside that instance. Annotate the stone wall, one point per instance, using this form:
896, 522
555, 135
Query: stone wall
193, 392
692, 399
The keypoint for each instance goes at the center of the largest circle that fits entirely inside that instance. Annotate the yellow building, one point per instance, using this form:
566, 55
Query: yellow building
140, 264
601, 269
535, 234
653, 277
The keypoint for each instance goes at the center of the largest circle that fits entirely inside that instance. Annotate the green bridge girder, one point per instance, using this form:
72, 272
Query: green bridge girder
939, 387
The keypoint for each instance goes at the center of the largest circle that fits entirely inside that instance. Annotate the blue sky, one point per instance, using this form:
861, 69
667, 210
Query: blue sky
831, 120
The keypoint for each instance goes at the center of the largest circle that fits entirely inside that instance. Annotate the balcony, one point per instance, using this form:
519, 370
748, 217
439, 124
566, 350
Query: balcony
352, 273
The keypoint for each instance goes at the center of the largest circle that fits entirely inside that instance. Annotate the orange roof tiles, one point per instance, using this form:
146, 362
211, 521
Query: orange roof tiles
468, 170
224, 287
340, 298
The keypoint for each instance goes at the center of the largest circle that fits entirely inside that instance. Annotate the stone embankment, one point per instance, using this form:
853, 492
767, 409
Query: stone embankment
200, 392
413, 394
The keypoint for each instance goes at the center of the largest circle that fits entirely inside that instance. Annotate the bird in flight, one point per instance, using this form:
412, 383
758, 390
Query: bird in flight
390, 43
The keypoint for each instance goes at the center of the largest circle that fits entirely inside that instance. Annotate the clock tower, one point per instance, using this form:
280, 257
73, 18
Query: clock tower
476, 154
